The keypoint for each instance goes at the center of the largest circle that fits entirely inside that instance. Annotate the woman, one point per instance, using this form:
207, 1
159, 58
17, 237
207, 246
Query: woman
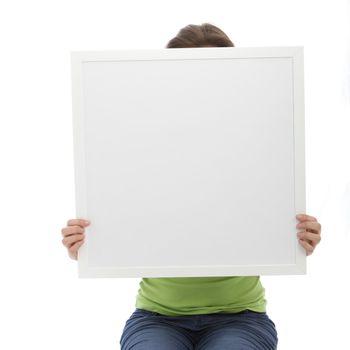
199, 312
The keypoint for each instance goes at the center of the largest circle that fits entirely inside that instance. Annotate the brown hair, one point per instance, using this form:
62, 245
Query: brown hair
202, 35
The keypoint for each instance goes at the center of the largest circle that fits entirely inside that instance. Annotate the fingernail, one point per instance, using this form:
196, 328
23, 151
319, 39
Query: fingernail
87, 222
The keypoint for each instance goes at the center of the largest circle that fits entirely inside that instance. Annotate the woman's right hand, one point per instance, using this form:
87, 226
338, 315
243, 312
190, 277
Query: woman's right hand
73, 236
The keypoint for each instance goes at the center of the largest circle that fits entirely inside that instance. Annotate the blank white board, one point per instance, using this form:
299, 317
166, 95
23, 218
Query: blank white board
189, 162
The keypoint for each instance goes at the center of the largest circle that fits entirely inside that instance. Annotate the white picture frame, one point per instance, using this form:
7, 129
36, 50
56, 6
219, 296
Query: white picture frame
189, 162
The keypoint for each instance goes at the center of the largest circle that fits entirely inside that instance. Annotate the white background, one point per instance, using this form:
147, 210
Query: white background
43, 304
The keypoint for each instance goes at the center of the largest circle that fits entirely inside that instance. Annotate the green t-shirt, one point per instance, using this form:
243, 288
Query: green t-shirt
201, 295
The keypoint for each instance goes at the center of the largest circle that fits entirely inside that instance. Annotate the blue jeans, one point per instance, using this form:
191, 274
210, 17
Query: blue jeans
246, 330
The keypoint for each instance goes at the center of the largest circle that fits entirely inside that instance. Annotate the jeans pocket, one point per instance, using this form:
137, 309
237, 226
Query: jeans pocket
138, 313
145, 312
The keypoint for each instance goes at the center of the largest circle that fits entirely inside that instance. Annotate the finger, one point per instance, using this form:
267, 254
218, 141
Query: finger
79, 222
71, 230
307, 246
313, 238
305, 217
310, 225
73, 250
70, 240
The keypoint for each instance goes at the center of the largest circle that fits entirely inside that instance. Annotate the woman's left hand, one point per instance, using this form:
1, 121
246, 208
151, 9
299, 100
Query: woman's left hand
309, 233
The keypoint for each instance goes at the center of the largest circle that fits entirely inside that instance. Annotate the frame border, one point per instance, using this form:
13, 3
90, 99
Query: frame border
296, 53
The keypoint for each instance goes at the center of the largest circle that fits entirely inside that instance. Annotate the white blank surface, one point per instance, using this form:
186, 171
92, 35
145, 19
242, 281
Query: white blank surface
186, 167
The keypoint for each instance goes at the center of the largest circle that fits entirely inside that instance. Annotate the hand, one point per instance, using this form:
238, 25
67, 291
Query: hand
74, 236
309, 233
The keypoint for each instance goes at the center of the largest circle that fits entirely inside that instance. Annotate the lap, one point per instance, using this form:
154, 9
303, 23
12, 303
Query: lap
145, 330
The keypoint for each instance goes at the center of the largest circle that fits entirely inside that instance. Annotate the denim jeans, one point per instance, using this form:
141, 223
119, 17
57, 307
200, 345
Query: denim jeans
246, 330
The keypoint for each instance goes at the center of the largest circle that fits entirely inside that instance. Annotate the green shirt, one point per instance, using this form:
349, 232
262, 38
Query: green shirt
201, 295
